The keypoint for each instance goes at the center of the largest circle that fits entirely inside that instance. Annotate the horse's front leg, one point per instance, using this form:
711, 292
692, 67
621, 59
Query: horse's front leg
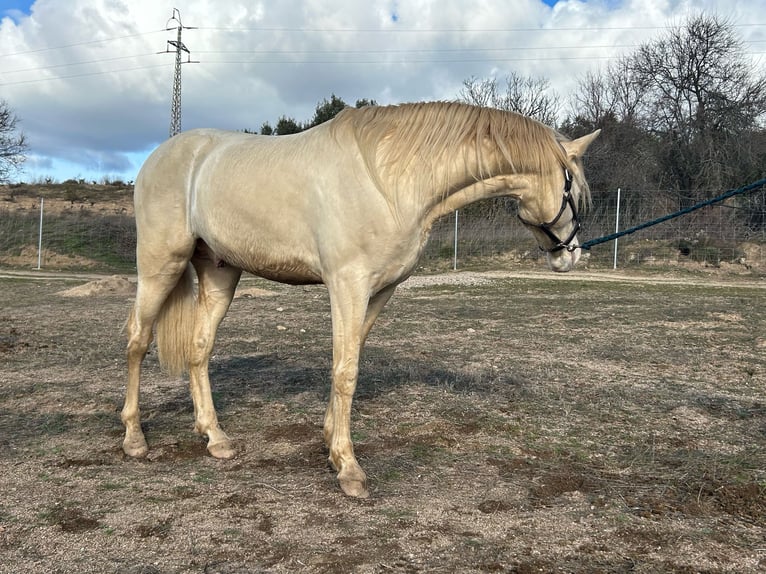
375, 306
349, 311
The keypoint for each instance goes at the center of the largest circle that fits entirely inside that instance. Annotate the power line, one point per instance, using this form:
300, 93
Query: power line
89, 42
417, 50
275, 59
353, 52
447, 30
364, 31
342, 62
408, 61
72, 64
83, 75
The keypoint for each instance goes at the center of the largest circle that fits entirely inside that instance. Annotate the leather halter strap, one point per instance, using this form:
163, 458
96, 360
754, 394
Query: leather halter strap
566, 200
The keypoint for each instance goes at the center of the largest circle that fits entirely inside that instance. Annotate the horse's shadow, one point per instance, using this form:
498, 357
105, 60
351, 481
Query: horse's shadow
277, 377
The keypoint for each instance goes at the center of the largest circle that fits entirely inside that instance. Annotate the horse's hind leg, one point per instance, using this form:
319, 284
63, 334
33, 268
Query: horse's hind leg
217, 282
153, 290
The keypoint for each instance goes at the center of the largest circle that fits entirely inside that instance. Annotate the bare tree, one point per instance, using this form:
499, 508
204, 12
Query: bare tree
700, 94
531, 97
13, 144
611, 93
684, 112
624, 154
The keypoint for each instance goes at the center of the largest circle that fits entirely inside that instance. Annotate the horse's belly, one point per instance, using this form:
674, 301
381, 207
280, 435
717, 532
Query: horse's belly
286, 272
284, 268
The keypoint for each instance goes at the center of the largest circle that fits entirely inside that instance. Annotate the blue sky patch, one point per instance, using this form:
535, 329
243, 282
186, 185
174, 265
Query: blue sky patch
8, 7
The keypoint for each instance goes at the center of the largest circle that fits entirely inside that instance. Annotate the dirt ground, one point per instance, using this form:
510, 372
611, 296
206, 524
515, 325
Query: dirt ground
523, 423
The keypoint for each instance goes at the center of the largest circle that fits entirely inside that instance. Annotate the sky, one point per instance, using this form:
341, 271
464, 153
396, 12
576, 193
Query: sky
91, 81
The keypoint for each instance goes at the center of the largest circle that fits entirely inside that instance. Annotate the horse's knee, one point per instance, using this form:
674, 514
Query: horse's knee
344, 380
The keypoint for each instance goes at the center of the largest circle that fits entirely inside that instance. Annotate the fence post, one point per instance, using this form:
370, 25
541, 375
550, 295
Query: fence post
454, 250
40, 236
617, 226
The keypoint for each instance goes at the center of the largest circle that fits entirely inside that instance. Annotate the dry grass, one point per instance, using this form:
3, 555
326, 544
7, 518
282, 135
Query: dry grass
516, 425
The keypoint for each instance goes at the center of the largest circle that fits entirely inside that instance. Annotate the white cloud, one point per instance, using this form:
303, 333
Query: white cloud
93, 95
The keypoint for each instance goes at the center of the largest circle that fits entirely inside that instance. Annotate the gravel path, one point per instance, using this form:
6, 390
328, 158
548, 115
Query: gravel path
469, 278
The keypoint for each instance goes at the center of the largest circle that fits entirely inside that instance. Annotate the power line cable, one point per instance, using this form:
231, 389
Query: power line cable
341, 62
84, 75
72, 64
362, 52
89, 42
360, 31
446, 30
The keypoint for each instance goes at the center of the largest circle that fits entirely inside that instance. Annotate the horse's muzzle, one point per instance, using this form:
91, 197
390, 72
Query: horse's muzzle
563, 260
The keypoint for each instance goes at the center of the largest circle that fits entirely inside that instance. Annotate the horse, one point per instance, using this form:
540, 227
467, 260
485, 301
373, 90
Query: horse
350, 204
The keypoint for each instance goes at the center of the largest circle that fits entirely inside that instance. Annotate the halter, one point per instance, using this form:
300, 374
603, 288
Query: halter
567, 199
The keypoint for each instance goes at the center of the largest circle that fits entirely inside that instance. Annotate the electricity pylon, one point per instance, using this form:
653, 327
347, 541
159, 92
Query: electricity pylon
175, 107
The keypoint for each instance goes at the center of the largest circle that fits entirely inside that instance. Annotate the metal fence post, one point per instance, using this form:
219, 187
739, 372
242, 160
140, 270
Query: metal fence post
616, 226
40, 236
454, 253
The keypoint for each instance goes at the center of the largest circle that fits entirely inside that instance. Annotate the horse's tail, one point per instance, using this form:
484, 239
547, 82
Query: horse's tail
175, 325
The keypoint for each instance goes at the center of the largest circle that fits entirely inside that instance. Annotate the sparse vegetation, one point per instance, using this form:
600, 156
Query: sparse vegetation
520, 424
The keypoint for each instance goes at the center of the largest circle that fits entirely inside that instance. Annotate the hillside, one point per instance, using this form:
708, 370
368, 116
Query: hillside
85, 226
111, 198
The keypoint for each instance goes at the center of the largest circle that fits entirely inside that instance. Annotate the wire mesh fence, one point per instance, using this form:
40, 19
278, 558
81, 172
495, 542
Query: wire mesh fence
733, 232
74, 240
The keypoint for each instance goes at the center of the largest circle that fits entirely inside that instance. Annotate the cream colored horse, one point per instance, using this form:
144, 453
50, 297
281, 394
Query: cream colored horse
350, 204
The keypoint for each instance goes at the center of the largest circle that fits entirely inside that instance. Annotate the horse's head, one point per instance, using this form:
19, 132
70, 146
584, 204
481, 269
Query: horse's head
552, 214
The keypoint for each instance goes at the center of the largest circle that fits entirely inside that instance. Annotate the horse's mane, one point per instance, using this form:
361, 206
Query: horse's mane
414, 141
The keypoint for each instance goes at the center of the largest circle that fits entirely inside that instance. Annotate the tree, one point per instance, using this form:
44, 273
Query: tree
684, 112
287, 126
625, 153
364, 102
609, 93
13, 144
327, 110
700, 98
528, 96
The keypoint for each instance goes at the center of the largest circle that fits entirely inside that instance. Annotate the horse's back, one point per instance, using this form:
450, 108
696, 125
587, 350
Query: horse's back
288, 208
175, 160
167, 183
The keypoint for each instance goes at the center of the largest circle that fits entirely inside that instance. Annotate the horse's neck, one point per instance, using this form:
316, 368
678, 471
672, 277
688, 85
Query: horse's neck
503, 185
465, 183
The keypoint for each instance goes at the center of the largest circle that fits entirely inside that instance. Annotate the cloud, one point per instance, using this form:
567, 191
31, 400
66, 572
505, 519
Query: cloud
93, 93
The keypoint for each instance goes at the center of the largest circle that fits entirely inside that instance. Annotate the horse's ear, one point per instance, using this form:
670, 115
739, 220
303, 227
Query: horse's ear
576, 148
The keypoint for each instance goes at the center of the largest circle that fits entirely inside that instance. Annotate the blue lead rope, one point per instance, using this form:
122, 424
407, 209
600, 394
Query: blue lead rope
731, 193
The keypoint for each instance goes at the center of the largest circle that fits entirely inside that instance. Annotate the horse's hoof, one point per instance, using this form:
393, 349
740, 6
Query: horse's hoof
355, 488
222, 450
135, 447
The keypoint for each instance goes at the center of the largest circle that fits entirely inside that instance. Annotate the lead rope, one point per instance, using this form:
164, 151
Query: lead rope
731, 193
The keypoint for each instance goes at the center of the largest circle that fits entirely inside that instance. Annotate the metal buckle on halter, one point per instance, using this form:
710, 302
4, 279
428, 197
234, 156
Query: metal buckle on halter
566, 200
